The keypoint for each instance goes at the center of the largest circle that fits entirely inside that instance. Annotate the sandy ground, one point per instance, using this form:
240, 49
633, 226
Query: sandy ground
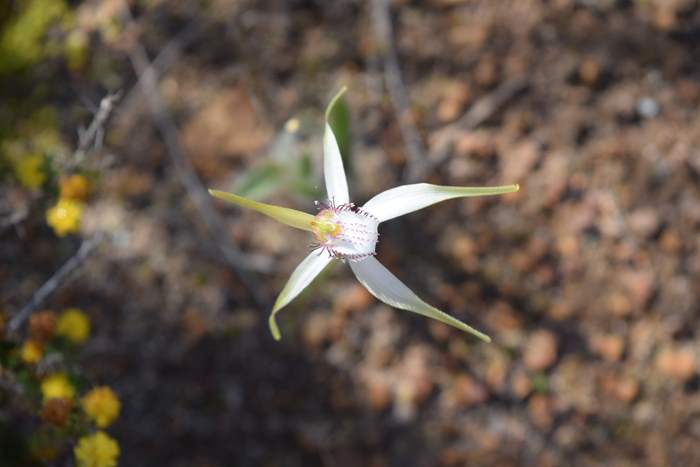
588, 279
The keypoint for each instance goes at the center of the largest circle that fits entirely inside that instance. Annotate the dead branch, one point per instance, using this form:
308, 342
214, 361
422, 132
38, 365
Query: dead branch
487, 106
166, 57
479, 113
91, 138
60, 277
166, 126
415, 161
13, 219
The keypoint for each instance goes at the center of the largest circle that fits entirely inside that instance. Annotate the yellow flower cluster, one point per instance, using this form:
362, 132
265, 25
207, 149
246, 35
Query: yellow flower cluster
74, 325
96, 450
65, 216
99, 450
101, 405
57, 386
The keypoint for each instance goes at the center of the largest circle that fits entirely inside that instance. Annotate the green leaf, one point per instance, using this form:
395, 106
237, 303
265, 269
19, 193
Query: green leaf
306, 170
306, 189
338, 117
22, 38
259, 182
303, 180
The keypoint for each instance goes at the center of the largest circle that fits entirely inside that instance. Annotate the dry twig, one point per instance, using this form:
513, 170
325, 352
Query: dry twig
14, 218
54, 282
486, 107
89, 139
167, 56
415, 162
479, 113
148, 80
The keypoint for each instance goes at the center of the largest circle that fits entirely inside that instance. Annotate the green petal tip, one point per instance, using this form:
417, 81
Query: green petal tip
274, 330
478, 334
484, 338
216, 193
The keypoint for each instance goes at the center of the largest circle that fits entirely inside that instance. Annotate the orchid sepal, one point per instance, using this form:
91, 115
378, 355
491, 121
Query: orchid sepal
291, 217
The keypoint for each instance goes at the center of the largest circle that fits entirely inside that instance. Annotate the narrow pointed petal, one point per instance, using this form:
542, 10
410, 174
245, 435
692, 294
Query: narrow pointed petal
302, 276
386, 287
333, 171
291, 217
408, 198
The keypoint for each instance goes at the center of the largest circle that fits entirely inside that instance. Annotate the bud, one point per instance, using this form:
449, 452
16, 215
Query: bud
42, 325
56, 411
31, 351
75, 187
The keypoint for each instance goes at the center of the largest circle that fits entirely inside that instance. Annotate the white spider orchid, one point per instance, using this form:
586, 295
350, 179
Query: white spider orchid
348, 233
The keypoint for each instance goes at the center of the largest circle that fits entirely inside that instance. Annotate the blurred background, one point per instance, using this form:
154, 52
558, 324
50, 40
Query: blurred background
587, 279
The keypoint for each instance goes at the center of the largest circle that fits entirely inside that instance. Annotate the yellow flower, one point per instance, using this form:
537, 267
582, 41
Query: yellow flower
101, 405
74, 325
31, 351
65, 216
57, 386
75, 187
29, 171
96, 450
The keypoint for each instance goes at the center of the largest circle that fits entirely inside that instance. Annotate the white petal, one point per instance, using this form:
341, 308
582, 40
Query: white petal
302, 276
386, 287
333, 171
408, 198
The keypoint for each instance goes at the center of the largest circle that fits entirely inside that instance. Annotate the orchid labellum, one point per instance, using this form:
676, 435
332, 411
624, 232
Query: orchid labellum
345, 232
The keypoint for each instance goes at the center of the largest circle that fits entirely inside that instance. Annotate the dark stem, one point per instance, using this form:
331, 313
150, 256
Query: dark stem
59, 278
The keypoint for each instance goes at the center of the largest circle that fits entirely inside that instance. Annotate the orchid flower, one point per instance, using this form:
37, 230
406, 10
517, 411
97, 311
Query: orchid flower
345, 232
